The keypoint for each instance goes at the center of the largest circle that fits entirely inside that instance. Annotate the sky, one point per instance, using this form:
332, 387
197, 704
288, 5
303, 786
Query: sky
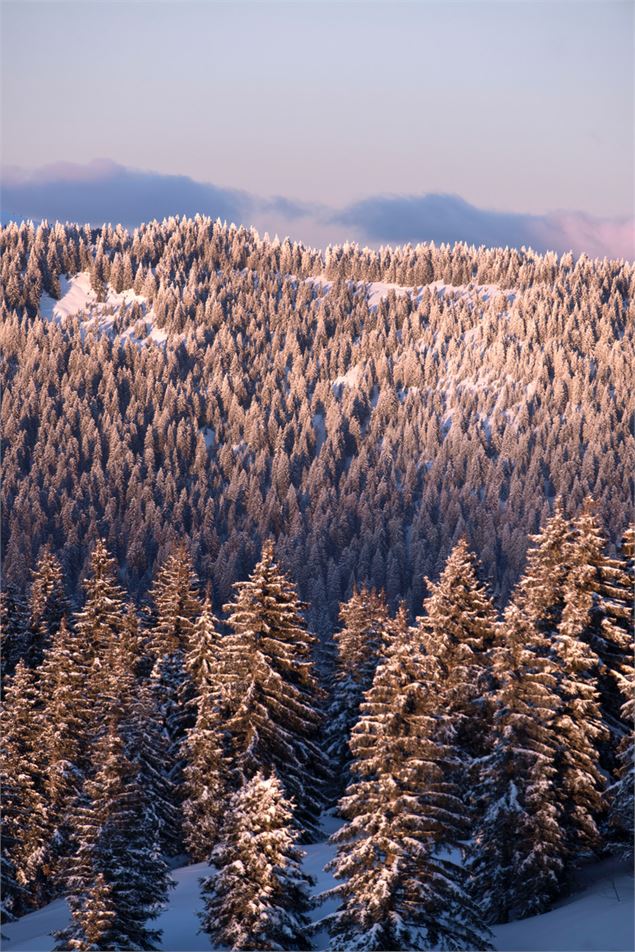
370, 119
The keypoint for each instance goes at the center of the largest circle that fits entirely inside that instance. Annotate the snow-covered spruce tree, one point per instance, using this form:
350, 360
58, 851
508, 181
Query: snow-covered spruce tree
66, 737
517, 855
175, 604
269, 692
205, 773
457, 628
364, 622
259, 898
13, 631
398, 891
98, 627
621, 794
201, 656
175, 609
540, 592
116, 881
134, 708
603, 591
24, 809
205, 780
47, 605
13, 896
579, 724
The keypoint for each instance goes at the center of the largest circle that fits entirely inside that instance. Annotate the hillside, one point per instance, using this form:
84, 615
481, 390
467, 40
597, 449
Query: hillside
363, 408
598, 918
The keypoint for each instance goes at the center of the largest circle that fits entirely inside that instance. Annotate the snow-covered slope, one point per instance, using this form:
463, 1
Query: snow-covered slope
599, 918
77, 299
376, 291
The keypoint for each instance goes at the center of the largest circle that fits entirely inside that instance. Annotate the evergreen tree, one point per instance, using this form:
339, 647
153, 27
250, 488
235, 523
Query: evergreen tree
518, 853
24, 810
364, 622
259, 898
134, 707
268, 689
66, 737
540, 592
202, 652
176, 609
14, 637
13, 896
398, 891
205, 775
98, 626
457, 628
578, 723
175, 604
47, 605
621, 794
602, 588
116, 881
205, 781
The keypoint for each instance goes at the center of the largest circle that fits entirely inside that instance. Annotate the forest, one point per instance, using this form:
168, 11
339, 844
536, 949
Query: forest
226, 388
476, 759
289, 533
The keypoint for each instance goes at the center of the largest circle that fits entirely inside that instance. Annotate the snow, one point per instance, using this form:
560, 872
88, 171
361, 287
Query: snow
77, 299
376, 291
598, 918
350, 378
209, 436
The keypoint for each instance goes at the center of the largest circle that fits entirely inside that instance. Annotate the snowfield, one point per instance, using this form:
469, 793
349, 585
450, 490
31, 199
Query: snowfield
598, 918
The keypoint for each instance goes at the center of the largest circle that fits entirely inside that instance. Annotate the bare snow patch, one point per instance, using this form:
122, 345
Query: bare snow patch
350, 379
126, 309
376, 291
78, 297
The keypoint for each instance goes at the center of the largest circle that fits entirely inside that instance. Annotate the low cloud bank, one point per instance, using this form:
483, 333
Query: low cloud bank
105, 191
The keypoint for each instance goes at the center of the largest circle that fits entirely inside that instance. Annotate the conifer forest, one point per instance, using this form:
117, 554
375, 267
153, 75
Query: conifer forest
317, 587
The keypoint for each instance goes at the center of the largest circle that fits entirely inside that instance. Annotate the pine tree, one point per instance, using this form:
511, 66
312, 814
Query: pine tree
116, 881
621, 794
540, 593
135, 709
24, 809
175, 604
578, 723
205, 781
175, 611
603, 590
13, 896
364, 623
259, 898
205, 775
201, 656
14, 637
398, 891
457, 628
269, 691
98, 627
47, 605
518, 853
66, 737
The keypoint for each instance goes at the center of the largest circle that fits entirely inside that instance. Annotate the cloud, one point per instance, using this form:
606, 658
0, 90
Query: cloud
102, 191
449, 218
